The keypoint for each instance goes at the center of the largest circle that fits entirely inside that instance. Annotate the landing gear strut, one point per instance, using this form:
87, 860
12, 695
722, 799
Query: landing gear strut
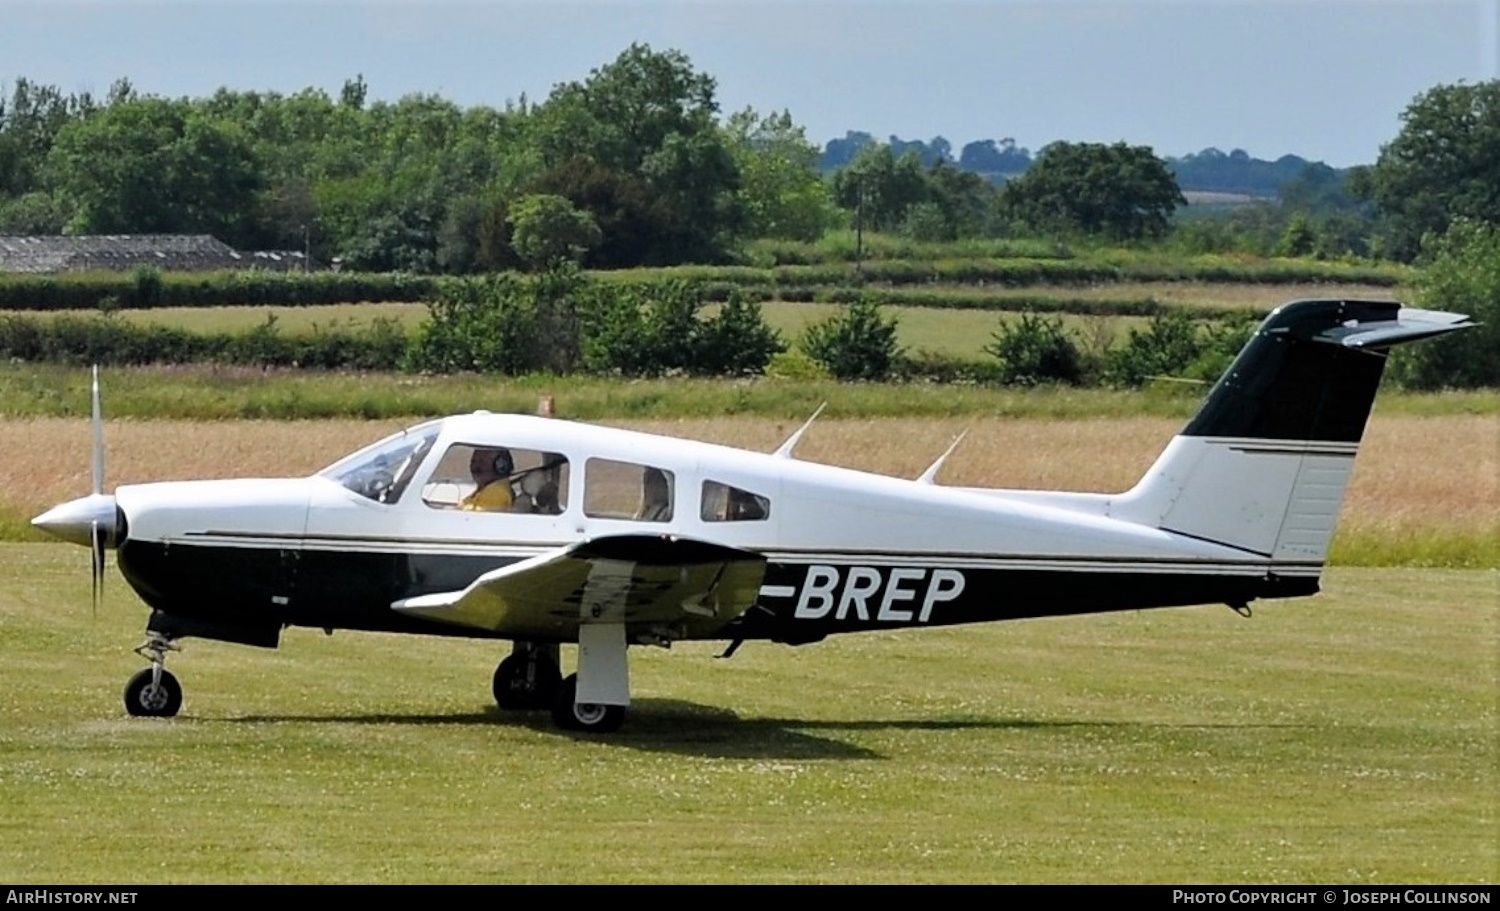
154, 692
527, 678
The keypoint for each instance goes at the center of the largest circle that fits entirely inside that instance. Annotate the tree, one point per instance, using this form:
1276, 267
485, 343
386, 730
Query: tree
546, 229
988, 157
879, 188
1120, 191
1460, 272
632, 222
145, 165
652, 117
782, 193
1443, 165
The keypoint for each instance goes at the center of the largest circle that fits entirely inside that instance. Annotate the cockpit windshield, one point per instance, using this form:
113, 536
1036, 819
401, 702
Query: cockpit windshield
382, 471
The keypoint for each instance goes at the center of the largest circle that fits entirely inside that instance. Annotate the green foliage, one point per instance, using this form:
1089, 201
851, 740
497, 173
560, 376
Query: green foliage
879, 187
1035, 349
504, 323
104, 340
654, 330
736, 340
1443, 165
150, 165
926, 221
648, 116
1176, 345
147, 287
781, 191
1118, 191
560, 321
1168, 345
857, 344
1298, 239
546, 229
1460, 272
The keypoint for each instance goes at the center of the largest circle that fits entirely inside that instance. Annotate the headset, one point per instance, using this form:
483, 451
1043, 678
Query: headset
503, 465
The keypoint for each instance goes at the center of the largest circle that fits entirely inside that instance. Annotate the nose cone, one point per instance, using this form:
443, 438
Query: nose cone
75, 520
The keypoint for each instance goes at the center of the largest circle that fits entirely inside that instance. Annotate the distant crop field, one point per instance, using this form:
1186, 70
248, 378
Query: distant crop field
1345, 738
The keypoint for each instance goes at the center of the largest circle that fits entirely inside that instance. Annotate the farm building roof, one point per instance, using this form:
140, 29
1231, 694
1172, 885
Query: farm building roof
117, 252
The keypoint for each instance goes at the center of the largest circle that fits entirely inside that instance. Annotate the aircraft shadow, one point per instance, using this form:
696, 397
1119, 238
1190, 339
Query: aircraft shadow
686, 728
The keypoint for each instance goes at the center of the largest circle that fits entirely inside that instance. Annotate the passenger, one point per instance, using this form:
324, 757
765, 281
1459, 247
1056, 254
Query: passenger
656, 497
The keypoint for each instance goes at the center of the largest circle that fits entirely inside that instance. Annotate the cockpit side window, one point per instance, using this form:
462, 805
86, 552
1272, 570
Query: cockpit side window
484, 478
383, 471
723, 503
625, 490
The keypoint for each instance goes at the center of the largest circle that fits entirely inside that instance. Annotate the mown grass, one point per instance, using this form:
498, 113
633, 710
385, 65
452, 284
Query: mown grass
1348, 738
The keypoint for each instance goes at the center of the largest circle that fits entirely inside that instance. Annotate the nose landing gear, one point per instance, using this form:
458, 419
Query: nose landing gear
154, 692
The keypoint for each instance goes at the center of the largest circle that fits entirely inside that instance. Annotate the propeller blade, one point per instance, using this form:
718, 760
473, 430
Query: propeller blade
98, 437
96, 554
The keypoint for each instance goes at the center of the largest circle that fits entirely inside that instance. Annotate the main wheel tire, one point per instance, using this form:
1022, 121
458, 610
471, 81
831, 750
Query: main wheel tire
590, 718
515, 691
147, 698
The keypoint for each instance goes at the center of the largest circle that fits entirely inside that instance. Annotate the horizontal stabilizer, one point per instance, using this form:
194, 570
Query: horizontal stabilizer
1408, 325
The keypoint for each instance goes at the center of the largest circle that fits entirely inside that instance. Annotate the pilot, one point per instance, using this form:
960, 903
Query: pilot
491, 470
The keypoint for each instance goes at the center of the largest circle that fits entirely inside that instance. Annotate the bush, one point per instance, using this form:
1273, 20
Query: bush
1035, 349
562, 321
503, 324
736, 340
857, 344
112, 341
1168, 345
1460, 272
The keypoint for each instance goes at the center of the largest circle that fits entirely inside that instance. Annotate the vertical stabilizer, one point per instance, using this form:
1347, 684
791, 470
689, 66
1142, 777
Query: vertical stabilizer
1264, 464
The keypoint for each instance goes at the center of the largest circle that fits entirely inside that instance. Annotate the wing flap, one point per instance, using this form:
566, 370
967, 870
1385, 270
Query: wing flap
683, 586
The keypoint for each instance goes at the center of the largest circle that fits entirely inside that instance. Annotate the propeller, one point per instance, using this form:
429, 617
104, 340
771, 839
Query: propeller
95, 520
96, 533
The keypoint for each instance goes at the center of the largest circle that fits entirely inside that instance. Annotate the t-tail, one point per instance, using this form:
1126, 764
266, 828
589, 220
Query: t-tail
1264, 465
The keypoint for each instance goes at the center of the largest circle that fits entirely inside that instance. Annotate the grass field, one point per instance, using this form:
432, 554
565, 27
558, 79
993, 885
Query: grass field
1348, 738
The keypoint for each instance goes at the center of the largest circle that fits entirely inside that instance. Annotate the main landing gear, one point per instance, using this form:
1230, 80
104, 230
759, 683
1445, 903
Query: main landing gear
154, 692
587, 717
529, 679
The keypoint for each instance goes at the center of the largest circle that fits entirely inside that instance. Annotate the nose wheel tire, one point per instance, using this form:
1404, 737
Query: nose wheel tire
589, 718
149, 697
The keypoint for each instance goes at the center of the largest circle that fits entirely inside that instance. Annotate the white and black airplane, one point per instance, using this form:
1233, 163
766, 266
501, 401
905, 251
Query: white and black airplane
546, 532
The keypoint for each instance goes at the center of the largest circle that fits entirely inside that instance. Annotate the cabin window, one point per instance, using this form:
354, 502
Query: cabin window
625, 490
481, 478
383, 471
723, 503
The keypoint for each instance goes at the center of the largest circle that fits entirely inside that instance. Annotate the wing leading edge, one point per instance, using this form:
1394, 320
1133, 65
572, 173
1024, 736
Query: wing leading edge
660, 587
